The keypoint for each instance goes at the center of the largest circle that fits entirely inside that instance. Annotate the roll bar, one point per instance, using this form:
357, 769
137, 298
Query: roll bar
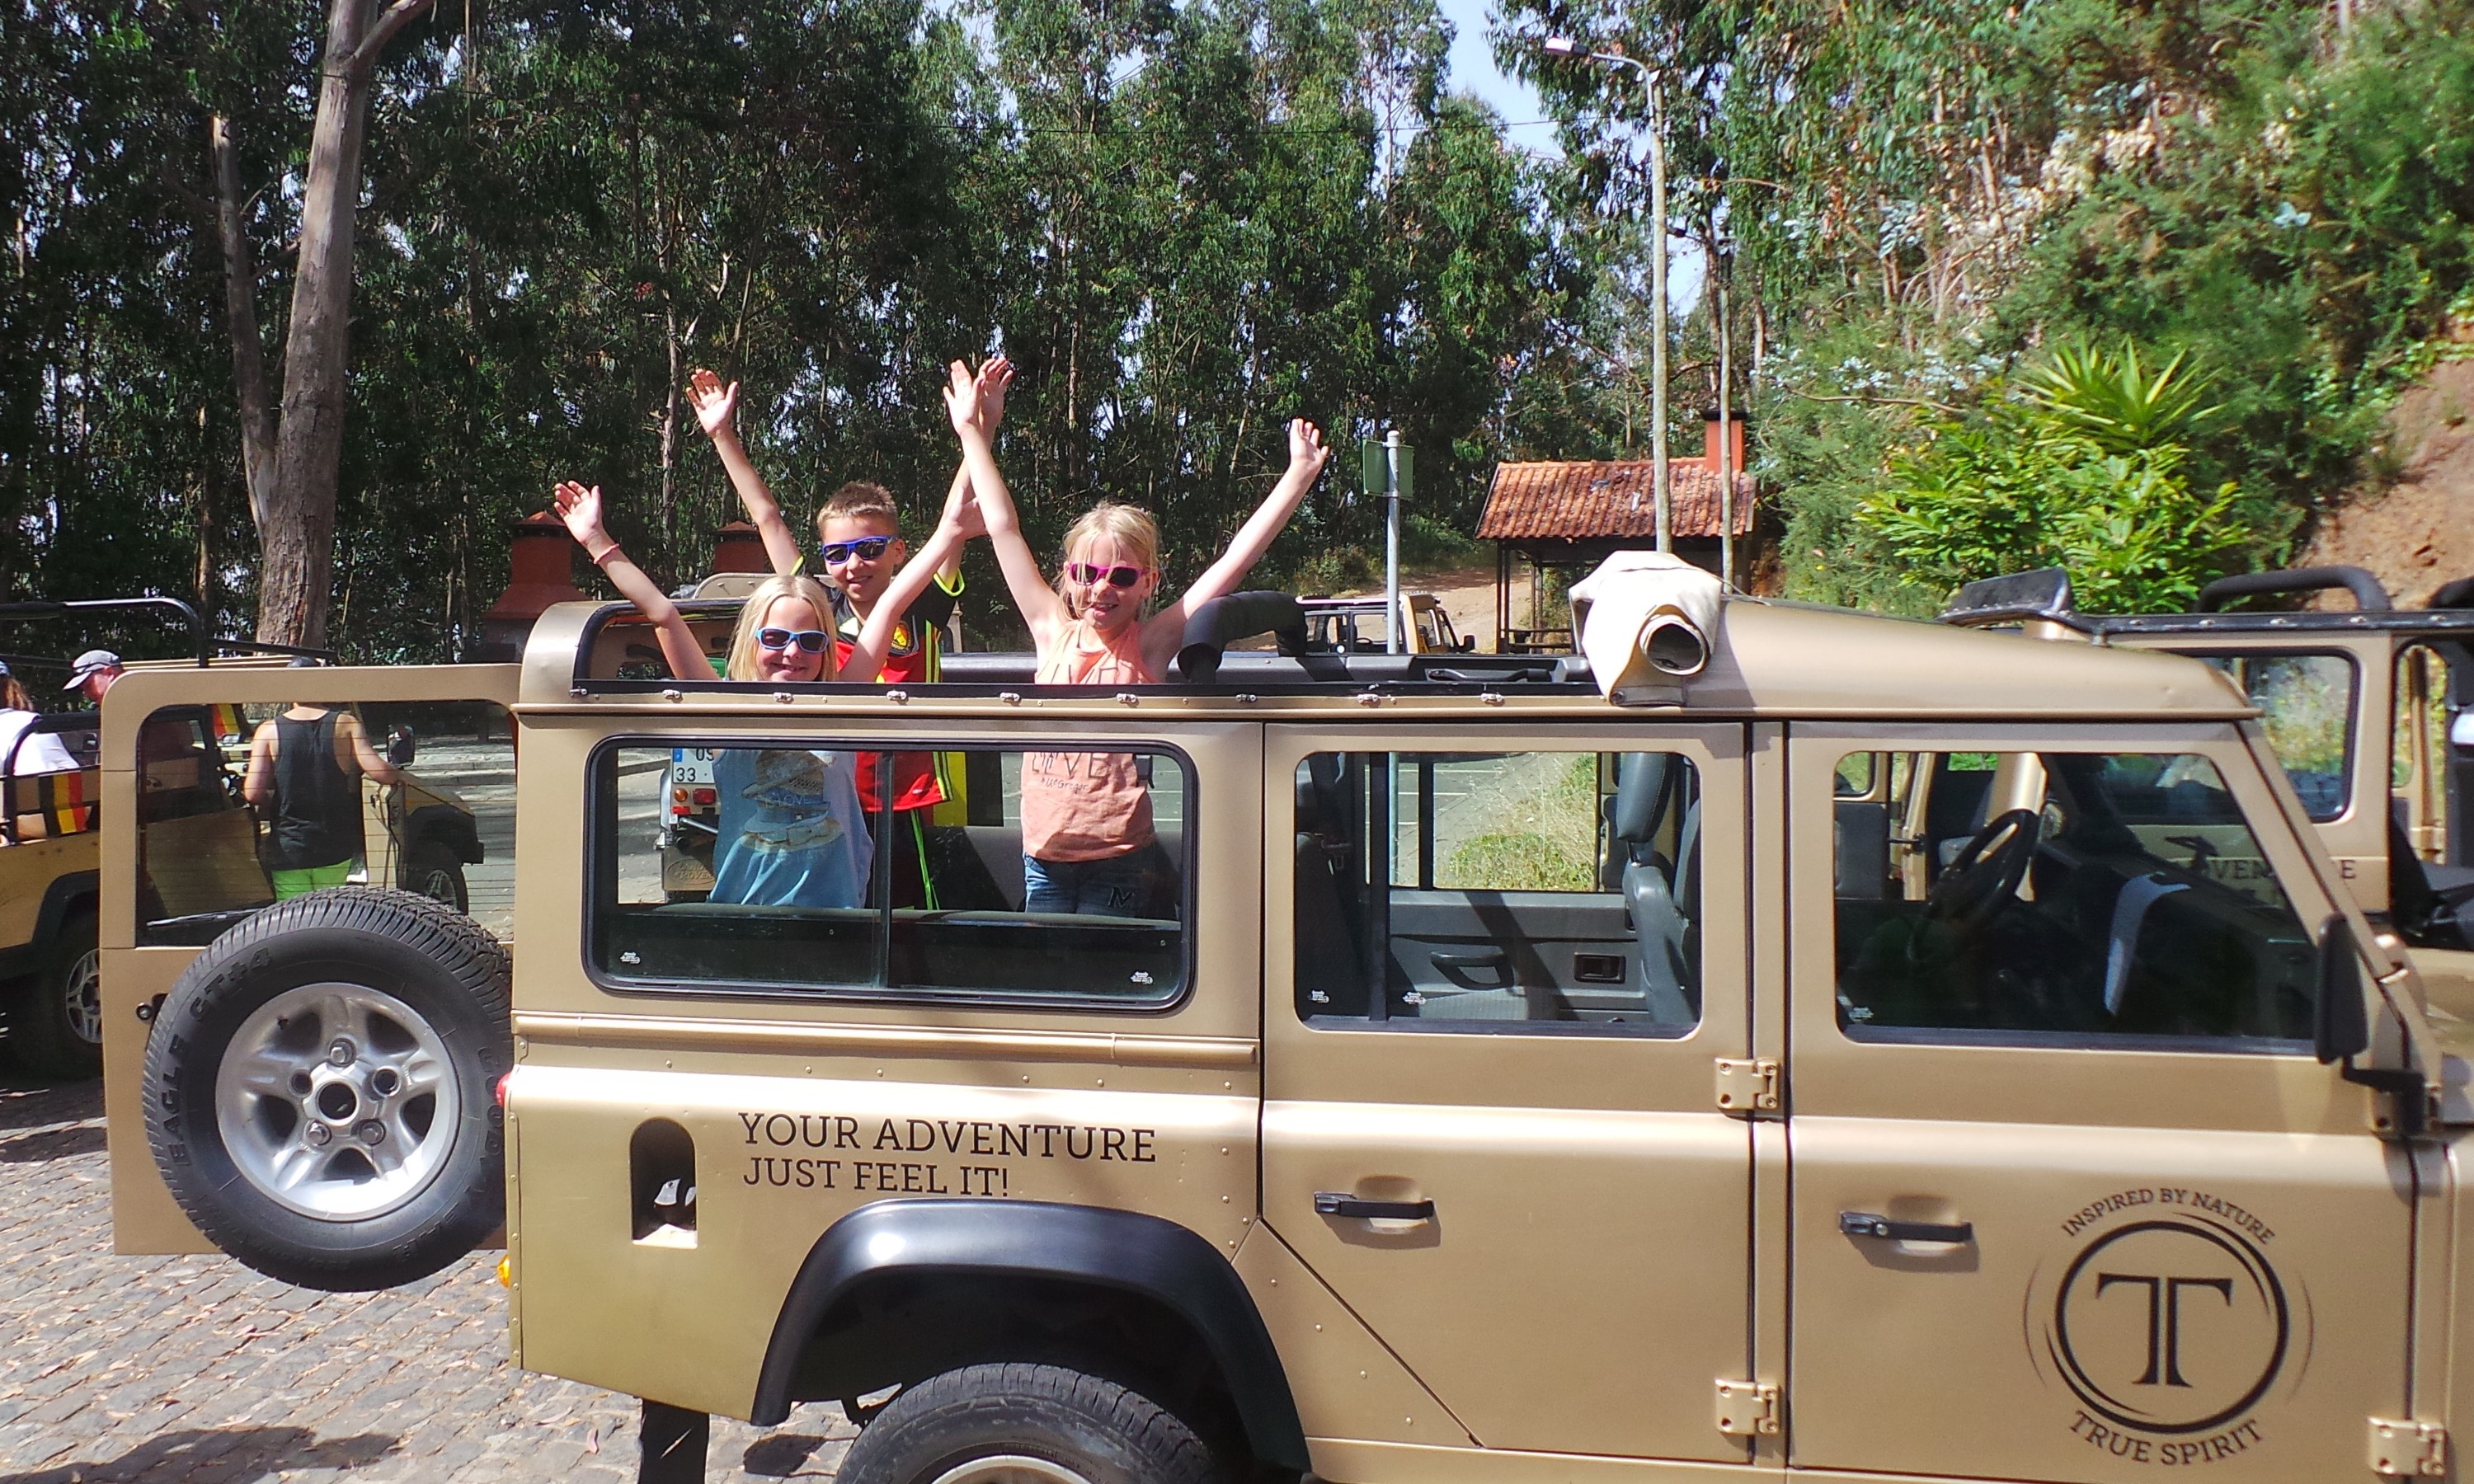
2369, 597
201, 642
1239, 615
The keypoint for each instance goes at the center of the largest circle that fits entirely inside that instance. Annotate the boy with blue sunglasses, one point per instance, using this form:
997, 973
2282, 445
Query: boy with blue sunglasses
862, 549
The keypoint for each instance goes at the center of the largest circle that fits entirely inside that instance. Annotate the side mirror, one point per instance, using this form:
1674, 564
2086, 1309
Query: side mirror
2339, 1027
401, 746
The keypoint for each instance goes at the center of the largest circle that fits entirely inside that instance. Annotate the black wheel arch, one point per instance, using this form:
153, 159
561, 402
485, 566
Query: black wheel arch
447, 824
1028, 1247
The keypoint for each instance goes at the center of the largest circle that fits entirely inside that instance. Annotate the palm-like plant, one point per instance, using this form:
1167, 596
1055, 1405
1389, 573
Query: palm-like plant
2116, 401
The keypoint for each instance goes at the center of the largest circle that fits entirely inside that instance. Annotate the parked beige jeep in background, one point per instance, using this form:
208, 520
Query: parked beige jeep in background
1844, 1064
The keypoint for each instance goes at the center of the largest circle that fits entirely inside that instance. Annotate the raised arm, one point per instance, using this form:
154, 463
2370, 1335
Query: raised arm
717, 408
1307, 456
961, 520
976, 405
580, 507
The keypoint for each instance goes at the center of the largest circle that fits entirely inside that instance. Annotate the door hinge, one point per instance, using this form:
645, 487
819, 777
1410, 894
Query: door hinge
1748, 1409
1748, 1087
2409, 1449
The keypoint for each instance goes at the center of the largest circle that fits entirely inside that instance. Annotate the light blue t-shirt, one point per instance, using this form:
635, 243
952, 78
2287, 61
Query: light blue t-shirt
790, 832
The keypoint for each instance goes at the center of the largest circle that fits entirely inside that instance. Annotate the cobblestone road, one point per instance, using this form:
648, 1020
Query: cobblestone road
197, 1370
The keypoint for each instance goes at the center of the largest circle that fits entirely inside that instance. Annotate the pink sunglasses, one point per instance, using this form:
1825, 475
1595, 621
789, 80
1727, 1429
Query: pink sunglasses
1088, 573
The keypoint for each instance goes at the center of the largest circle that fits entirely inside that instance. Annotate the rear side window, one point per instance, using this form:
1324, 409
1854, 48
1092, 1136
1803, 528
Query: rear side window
2306, 703
2075, 897
1504, 892
772, 868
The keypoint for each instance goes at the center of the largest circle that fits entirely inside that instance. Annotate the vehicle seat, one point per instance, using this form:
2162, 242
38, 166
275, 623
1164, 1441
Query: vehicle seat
1330, 978
2432, 906
1656, 890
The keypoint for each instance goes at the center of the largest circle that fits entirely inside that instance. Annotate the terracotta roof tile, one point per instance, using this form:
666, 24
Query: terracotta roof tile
1610, 498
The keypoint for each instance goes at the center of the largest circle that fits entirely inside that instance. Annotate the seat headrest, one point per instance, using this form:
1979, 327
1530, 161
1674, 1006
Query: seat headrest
1640, 795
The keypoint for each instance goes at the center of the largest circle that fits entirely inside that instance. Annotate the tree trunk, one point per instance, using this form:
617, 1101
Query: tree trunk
240, 310
297, 516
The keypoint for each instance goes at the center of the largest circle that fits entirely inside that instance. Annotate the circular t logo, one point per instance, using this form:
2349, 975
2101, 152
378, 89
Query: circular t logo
2170, 1326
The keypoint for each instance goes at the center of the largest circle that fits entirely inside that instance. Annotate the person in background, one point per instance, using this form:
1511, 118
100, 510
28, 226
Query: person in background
1087, 840
860, 535
93, 673
305, 779
41, 753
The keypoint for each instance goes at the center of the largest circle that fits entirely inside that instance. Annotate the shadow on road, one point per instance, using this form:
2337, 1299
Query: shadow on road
52, 1144
780, 1455
26, 1104
238, 1455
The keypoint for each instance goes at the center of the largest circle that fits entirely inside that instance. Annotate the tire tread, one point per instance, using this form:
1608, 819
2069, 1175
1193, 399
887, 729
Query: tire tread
994, 1397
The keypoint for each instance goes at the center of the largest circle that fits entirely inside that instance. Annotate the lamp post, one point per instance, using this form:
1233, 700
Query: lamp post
1566, 46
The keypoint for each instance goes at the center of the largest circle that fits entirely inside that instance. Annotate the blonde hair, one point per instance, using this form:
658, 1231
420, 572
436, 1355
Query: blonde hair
1137, 534
860, 500
751, 617
13, 695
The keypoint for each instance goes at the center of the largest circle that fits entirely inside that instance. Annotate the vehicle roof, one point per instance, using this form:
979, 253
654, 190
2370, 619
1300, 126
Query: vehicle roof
1771, 659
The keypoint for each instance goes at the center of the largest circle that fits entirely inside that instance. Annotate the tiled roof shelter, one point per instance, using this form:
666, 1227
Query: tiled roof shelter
1607, 499
1570, 515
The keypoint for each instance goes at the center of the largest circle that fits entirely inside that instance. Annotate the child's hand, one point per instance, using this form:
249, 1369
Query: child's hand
1307, 454
580, 507
962, 401
963, 516
996, 375
715, 404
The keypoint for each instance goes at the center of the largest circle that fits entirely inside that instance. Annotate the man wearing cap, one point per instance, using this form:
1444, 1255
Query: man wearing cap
93, 673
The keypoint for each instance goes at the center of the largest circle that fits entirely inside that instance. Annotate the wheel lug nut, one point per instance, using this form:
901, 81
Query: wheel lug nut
340, 1053
317, 1134
369, 1130
383, 1082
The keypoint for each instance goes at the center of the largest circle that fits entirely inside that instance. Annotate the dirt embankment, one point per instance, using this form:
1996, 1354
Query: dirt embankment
2418, 532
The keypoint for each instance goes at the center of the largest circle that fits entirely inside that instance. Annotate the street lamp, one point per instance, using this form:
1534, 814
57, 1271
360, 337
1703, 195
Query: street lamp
1566, 46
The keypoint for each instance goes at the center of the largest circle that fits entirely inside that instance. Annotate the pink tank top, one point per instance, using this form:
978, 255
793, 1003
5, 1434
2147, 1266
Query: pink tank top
1087, 805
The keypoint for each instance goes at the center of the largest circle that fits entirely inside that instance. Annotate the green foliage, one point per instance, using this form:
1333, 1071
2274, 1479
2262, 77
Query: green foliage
2082, 472
2115, 401
1186, 224
1922, 192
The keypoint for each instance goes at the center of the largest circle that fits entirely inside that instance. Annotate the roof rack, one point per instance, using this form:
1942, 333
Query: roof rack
1204, 665
2045, 594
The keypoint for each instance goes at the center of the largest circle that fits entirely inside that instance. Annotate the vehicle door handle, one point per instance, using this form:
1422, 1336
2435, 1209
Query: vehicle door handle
1857, 1223
1483, 958
1332, 1203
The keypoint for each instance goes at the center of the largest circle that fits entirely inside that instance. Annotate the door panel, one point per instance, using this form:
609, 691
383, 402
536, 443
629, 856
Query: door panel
1581, 1279
180, 855
1485, 954
2081, 1206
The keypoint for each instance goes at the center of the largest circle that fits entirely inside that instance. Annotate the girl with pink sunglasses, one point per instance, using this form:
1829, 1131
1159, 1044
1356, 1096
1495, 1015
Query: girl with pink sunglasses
1087, 840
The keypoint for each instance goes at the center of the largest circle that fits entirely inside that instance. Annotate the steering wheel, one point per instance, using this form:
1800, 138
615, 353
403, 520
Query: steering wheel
1973, 886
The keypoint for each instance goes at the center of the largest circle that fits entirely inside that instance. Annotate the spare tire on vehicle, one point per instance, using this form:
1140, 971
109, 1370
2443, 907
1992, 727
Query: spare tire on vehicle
321, 1088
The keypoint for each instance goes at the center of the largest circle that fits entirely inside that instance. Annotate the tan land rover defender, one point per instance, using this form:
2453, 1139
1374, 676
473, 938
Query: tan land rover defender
1896, 1052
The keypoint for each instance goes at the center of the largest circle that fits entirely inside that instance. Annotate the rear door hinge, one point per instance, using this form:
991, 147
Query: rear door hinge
1748, 1087
1748, 1409
2409, 1449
